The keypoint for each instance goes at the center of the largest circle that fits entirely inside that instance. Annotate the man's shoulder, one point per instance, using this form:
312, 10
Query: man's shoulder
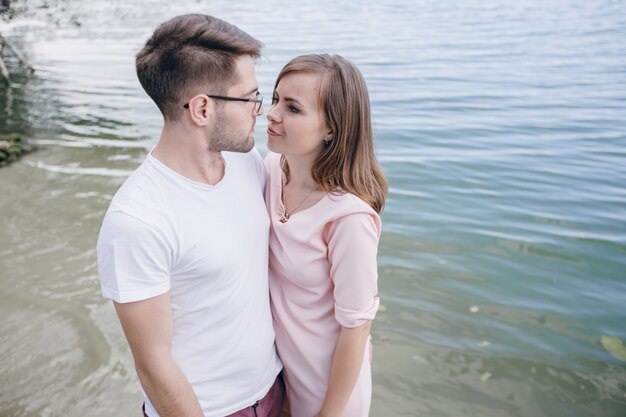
247, 166
135, 183
251, 157
141, 195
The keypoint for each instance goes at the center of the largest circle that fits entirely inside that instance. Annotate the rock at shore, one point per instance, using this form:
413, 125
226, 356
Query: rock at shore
12, 147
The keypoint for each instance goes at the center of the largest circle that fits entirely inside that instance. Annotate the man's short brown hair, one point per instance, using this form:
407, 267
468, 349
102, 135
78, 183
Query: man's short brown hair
190, 54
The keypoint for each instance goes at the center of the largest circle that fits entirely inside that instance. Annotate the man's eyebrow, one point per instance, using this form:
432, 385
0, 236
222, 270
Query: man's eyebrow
254, 90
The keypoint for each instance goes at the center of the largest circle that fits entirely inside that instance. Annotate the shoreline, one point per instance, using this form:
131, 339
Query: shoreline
12, 147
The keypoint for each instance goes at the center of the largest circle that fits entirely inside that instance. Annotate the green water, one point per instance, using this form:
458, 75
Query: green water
501, 127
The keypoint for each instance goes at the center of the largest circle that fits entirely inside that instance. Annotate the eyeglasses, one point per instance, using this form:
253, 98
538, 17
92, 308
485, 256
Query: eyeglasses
258, 100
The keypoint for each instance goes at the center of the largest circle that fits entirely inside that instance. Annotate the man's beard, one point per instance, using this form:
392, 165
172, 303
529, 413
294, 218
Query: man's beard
225, 137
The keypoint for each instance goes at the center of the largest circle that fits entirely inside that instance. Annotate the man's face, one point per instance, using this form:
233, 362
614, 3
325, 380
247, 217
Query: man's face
234, 127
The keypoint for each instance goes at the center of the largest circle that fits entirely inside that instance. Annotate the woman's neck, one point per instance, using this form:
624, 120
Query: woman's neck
300, 173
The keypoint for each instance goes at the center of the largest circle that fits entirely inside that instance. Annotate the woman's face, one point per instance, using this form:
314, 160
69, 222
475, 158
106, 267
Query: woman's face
296, 124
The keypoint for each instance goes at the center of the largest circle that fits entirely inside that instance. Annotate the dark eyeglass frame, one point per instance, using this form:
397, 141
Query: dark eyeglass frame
258, 100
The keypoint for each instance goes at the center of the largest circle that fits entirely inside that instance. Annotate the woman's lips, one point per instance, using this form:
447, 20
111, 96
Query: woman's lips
272, 132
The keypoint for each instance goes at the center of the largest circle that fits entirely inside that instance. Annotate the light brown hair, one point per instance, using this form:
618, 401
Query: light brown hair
348, 162
189, 55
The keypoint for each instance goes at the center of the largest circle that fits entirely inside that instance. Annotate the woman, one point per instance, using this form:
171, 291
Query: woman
324, 194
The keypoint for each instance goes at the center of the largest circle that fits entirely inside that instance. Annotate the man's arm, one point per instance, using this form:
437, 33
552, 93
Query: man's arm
147, 325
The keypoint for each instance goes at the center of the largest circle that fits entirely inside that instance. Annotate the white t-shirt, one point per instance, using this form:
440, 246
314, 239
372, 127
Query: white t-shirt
208, 246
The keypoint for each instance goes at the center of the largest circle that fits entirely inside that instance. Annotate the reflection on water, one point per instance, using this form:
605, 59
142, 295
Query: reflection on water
502, 262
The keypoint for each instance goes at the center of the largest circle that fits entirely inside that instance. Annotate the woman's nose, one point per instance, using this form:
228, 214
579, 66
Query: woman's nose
272, 114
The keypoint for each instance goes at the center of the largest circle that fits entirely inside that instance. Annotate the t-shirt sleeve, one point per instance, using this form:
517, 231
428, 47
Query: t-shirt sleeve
352, 250
134, 260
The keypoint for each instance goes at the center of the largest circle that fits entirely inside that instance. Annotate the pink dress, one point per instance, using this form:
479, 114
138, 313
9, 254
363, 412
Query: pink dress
323, 275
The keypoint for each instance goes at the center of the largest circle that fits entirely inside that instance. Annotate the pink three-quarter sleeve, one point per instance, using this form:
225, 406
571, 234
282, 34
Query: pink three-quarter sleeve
352, 250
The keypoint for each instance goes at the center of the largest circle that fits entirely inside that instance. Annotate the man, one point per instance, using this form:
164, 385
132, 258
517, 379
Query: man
183, 246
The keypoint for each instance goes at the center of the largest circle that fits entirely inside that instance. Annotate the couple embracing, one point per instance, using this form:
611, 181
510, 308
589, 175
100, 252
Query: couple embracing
246, 287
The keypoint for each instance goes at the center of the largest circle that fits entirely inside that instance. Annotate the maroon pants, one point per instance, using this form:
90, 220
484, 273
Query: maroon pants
269, 406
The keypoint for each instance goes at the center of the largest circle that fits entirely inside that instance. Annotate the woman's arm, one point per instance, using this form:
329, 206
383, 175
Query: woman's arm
352, 249
346, 367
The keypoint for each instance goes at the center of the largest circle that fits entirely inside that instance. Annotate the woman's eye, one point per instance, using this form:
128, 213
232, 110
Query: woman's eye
293, 109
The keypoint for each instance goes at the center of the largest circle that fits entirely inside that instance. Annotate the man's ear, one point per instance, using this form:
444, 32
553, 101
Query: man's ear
201, 110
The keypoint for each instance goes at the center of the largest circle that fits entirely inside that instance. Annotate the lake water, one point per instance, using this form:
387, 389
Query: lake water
500, 125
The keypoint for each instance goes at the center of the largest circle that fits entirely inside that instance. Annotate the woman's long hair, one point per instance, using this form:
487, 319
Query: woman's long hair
348, 162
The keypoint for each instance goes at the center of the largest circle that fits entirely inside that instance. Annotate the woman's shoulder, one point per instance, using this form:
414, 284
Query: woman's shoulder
345, 204
272, 157
351, 214
272, 162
